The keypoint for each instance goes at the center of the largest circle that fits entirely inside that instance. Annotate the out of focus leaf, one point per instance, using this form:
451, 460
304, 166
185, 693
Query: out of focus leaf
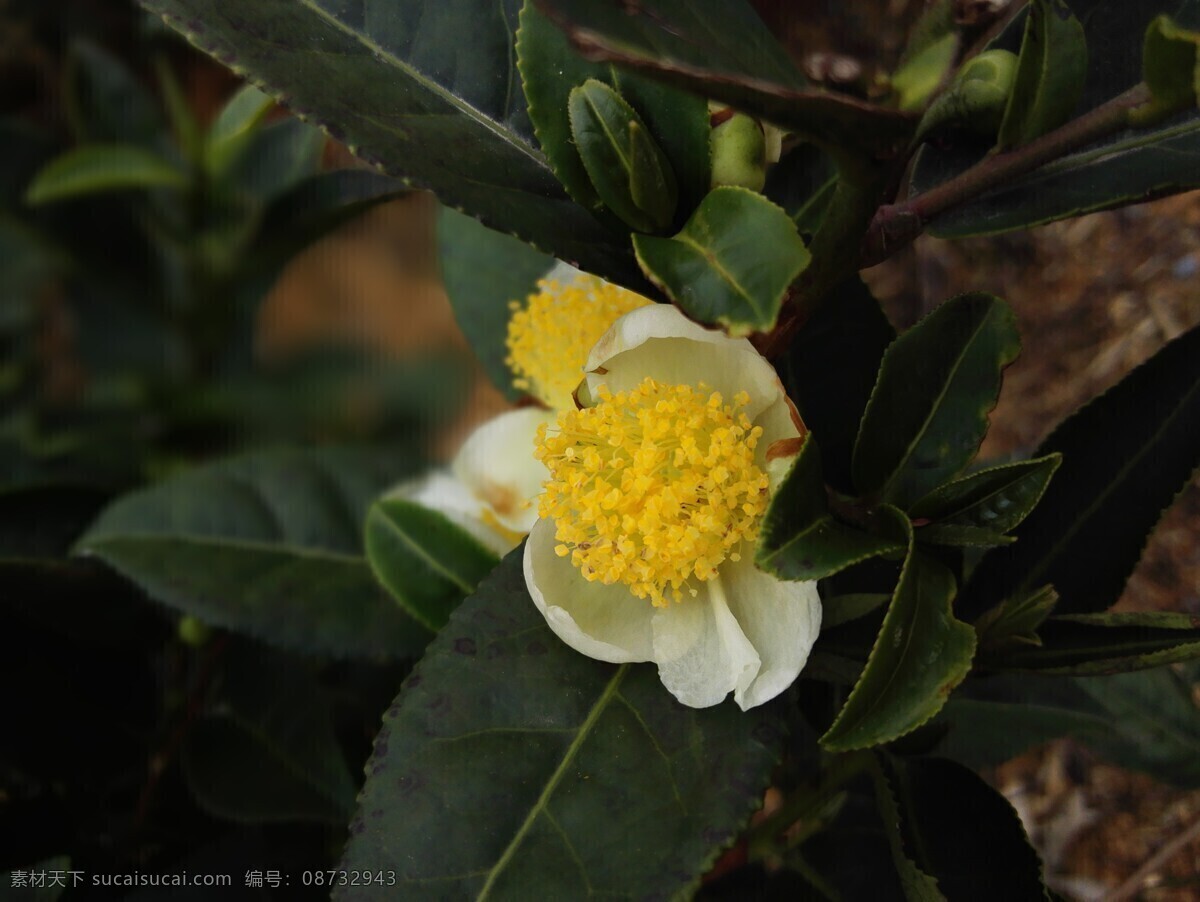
1084, 644
105, 102
95, 168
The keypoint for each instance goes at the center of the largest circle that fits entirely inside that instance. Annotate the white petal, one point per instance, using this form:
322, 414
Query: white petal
496, 463
781, 620
450, 497
701, 651
661, 343
604, 622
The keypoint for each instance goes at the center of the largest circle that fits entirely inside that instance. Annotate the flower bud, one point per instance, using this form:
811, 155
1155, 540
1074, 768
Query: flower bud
977, 97
739, 152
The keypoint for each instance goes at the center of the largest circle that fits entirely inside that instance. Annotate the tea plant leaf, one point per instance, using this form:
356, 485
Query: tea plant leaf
937, 384
267, 752
510, 765
96, 168
678, 121
1131, 166
831, 368
800, 539
428, 563
1097, 644
934, 800
390, 80
484, 271
104, 102
720, 49
1050, 73
267, 544
1125, 456
1170, 61
997, 498
731, 264
921, 653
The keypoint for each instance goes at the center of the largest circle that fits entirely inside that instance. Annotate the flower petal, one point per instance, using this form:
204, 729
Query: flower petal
496, 463
604, 622
701, 651
450, 497
781, 619
661, 343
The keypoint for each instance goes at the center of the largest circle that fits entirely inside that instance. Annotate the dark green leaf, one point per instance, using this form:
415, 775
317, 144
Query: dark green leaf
428, 563
484, 271
628, 170
1015, 623
921, 653
267, 544
720, 49
937, 384
511, 766
1125, 456
105, 102
803, 183
918, 885
1145, 721
1170, 62
840, 609
1050, 74
267, 751
991, 859
1131, 166
427, 90
96, 168
800, 539
678, 121
997, 498
830, 369
959, 535
731, 264
1087, 644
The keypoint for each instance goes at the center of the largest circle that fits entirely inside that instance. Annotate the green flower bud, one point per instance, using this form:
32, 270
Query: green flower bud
977, 97
628, 169
739, 153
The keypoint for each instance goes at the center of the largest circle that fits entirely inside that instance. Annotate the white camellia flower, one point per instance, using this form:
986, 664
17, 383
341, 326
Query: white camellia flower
643, 550
494, 479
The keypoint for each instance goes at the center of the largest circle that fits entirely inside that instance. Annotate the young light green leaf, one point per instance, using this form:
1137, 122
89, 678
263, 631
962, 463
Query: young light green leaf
721, 50
923, 73
268, 544
428, 563
1086, 644
1050, 74
484, 271
234, 128
550, 69
731, 264
1171, 67
510, 766
997, 498
921, 653
390, 78
937, 384
800, 539
628, 170
1111, 489
97, 168
268, 752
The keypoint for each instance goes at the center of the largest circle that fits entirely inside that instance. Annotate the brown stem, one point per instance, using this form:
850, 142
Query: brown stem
897, 225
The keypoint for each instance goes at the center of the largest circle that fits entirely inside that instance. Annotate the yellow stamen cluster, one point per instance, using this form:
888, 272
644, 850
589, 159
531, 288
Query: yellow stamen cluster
653, 487
549, 339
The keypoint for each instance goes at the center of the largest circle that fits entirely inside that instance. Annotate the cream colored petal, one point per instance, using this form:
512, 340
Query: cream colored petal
450, 497
604, 622
780, 619
496, 463
701, 651
661, 343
